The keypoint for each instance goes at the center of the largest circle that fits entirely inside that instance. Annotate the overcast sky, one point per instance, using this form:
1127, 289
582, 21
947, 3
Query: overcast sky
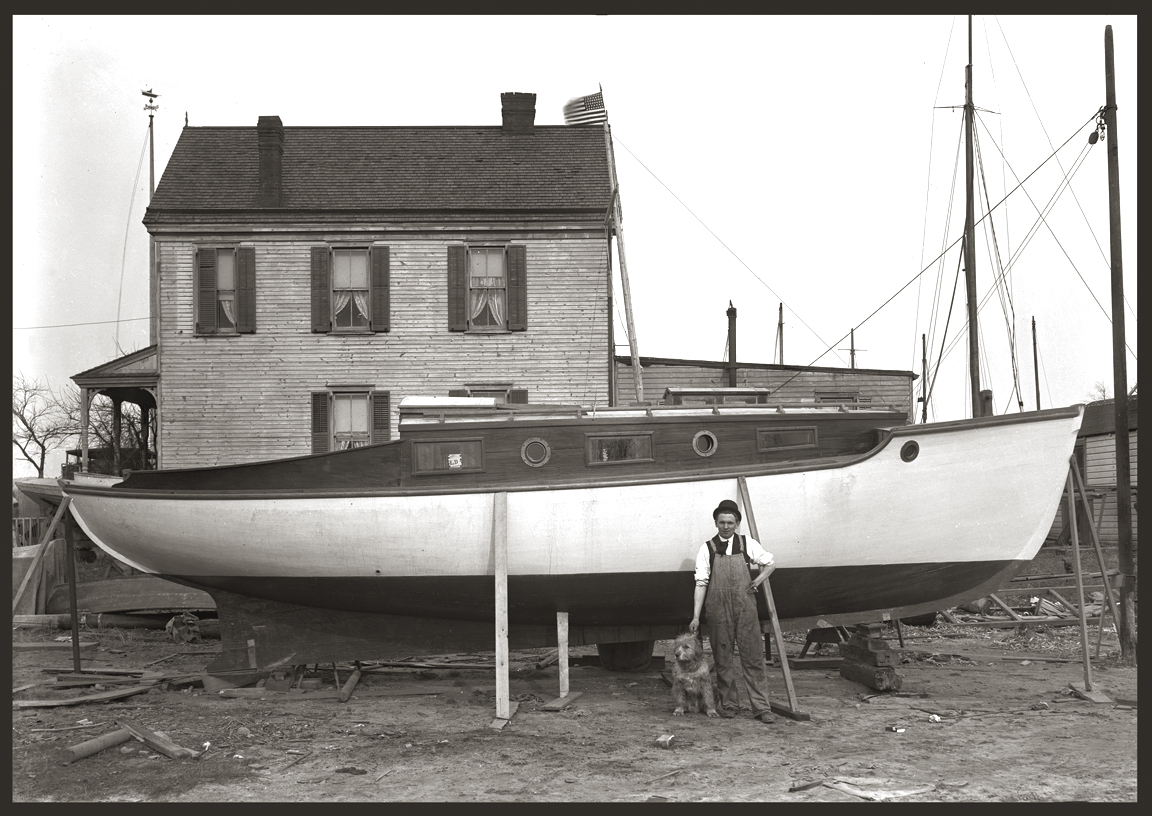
809, 161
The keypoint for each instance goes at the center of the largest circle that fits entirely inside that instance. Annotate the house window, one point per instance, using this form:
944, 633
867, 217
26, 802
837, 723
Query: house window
350, 289
487, 288
349, 417
487, 301
457, 456
225, 290
613, 449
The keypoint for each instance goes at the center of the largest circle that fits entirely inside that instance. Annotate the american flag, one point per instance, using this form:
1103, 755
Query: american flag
586, 110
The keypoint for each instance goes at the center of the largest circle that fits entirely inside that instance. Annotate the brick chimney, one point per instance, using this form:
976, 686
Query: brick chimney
270, 136
519, 113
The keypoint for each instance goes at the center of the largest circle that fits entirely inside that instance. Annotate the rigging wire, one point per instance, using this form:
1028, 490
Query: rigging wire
948, 320
1066, 183
124, 254
1049, 138
733, 254
928, 185
950, 246
70, 325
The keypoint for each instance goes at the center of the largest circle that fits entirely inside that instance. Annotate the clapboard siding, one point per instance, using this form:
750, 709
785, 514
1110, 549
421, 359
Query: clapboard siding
786, 385
247, 398
1100, 477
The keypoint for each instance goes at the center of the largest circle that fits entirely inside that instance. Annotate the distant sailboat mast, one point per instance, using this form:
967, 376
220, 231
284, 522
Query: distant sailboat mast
970, 235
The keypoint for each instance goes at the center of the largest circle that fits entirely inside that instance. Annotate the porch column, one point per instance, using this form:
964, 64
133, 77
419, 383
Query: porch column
117, 404
85, 399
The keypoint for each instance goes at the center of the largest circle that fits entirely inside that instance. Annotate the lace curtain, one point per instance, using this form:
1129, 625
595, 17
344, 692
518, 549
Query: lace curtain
493, 299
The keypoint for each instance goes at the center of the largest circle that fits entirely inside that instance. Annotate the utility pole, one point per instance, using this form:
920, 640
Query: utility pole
852, 346
970, 234
1127, 623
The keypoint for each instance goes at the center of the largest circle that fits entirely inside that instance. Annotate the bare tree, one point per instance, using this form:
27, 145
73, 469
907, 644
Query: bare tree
1098, 392
40, 424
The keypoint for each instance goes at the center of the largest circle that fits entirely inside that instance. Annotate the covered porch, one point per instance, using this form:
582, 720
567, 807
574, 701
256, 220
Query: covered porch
133, 378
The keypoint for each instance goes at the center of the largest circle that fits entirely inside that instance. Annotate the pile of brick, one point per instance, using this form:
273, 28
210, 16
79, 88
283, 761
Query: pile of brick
868, 660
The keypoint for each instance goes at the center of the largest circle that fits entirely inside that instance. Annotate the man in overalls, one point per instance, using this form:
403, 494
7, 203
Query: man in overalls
722, 591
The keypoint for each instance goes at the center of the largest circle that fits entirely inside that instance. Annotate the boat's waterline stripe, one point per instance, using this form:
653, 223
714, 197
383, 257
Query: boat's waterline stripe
614, 599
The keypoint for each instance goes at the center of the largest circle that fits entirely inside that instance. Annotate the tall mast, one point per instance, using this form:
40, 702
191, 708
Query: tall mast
970, 233
1035, 363
153, 283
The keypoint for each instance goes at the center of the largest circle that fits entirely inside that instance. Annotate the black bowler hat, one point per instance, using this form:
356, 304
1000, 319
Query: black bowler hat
727, 506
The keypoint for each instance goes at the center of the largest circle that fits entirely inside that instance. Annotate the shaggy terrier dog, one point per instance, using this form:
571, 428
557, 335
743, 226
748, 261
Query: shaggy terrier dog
691, 682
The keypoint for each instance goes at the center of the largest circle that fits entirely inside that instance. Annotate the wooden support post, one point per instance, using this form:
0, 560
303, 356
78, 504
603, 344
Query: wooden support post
792, 710
34, 567
500, 559
566, 698
70, 557
562, 650
1079, 579
1096, 544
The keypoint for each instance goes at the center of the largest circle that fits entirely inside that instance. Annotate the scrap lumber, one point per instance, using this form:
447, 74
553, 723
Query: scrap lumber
99, 697
34, 567
94, 746
53, 646
157, 742
561, 703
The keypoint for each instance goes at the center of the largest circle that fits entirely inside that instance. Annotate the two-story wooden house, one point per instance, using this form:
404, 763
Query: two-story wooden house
307, 278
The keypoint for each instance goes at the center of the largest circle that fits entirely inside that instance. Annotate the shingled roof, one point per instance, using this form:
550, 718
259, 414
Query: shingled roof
390, 169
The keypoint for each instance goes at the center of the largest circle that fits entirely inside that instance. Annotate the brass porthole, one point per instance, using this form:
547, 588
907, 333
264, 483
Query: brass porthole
705, 443
535, 452
909, 451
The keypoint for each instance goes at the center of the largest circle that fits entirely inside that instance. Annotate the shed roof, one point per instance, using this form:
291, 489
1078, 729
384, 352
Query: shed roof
391, 168
1100, 417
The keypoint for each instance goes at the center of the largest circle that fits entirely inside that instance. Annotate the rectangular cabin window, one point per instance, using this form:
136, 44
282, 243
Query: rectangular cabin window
616, 449
350, 307
769, 440
458, 456
842, 398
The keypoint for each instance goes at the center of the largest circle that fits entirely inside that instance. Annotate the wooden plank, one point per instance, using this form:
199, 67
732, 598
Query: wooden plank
500, 550
53, 646
561, 702
157, 742
562, 650
99, 697
792, 710
500, 722
1011, 612
34, 567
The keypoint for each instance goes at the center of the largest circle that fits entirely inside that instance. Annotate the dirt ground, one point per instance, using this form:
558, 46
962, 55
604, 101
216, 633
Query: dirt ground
1009, 729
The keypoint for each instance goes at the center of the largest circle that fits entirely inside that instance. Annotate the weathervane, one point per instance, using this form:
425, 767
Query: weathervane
149, 106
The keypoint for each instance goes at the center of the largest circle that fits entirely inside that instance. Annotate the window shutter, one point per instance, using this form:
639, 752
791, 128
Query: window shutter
458, 392
517, 287
205, 291
246, 290
319, 421
457, 289
381, 417
518, 396
321, 291
381, 299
